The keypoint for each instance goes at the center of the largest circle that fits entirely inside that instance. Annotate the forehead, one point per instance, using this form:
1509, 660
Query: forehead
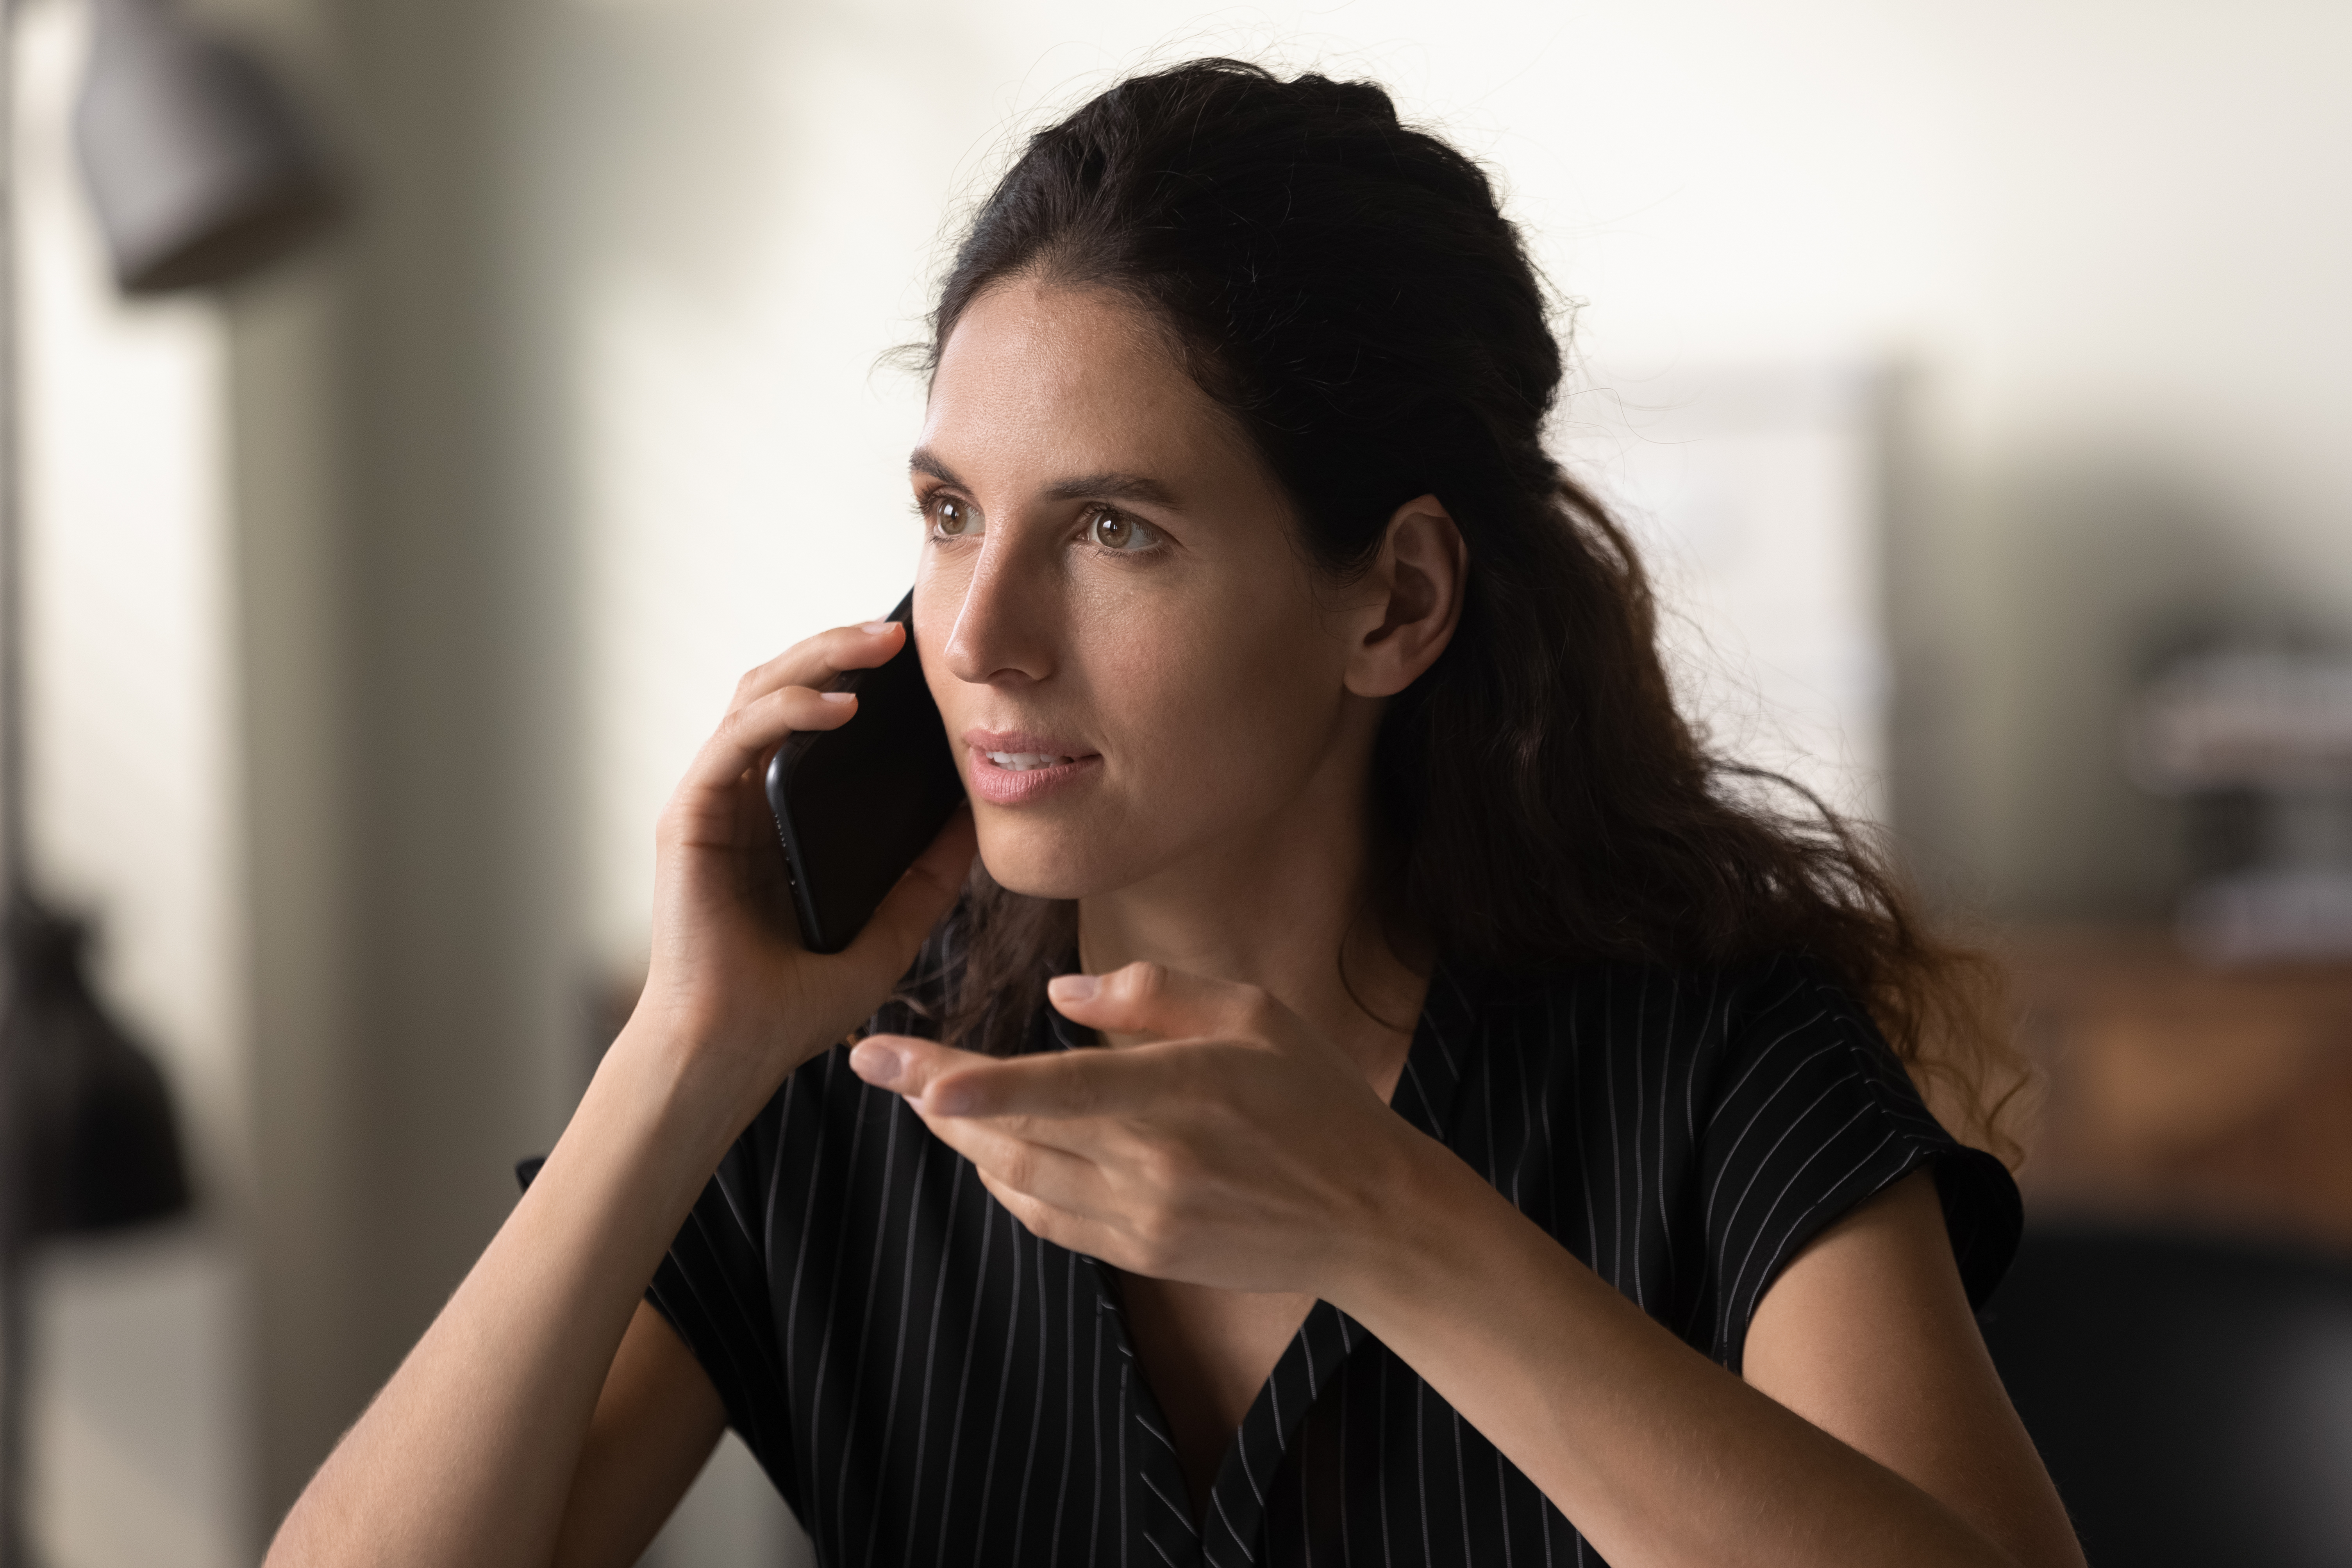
1077, 378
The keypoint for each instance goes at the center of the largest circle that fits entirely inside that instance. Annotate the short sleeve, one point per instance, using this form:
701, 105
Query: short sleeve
713, 1287
781, 1193
1812, 1113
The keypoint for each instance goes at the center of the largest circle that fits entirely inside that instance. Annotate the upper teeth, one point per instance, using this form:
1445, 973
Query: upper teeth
1022, 761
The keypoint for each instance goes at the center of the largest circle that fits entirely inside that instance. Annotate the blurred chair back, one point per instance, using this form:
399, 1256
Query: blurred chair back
2192, 1397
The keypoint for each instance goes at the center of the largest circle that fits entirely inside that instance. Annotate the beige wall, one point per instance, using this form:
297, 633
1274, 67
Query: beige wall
419, 1016
2100, 242
300, 741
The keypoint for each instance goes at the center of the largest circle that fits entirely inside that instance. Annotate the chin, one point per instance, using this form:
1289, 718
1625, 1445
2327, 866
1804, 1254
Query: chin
1034, 860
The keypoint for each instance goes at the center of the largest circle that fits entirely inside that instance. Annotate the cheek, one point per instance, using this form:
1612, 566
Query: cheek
1214, 702
1213, 718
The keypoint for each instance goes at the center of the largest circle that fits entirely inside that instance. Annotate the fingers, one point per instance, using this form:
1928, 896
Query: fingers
1012, 1150
749, 733
926, 892
1152, 999
906, 1066
814, 661
1053, 1177
1035, 1091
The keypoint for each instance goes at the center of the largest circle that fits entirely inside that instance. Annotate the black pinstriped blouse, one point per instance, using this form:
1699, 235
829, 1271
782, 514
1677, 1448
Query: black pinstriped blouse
927, 1383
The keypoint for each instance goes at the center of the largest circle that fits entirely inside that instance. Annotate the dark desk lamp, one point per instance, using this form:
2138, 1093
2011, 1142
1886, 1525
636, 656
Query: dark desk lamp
199, 173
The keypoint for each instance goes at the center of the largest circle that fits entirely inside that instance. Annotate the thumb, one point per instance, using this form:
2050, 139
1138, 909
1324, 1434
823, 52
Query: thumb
1172, 1004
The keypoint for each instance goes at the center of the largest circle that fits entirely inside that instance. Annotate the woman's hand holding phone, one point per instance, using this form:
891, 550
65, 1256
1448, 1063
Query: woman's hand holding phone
730, 982
492, 1420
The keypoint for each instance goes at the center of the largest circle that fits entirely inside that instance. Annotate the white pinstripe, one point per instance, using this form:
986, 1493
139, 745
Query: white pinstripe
963, 1373
1724, 1161
1645, 1205
897, 1114
1094, 1407
1012, 1233
1380, 1448
899, 1356
1421, 1460
1761, 1058
1069, 1397
1460, 1484
1665, 1222
1125, 1372
1780, 1245
1217, 1501
1340, 1469
1584, 1182
1184, 1515
1147, 1425
1616, 1157
1526, 1114
1756, 1173
931, 1349
1037, 1403
808, 1214
824, 1342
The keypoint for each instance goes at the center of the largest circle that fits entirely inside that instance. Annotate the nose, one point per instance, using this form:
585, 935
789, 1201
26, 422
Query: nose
1002, 629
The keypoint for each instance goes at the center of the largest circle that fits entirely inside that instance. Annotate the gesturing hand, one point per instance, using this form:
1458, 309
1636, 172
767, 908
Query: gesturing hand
1238, 1148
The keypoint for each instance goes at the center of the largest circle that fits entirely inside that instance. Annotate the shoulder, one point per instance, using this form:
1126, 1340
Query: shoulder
1699, 1019
1741, 1108
1748, 1049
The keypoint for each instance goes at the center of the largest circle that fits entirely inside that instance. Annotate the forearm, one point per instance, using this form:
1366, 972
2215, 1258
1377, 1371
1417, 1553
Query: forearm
1659, 1456
468, 1454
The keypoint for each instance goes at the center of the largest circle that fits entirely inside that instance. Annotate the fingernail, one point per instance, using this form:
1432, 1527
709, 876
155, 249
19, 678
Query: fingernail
838, 696
1072, 987
877, 627
878, 1064
950, 1099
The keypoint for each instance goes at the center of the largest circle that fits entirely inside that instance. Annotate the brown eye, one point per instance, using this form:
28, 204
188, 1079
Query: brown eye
952, 519
1113, 532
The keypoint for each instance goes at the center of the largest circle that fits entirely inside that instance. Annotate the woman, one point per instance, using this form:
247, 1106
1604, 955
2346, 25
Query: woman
1496, 1155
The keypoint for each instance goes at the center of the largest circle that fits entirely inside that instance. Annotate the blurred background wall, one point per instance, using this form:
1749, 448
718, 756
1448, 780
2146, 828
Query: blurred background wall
377, 605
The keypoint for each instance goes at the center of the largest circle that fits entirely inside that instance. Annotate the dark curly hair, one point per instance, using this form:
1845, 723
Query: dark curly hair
1346, 289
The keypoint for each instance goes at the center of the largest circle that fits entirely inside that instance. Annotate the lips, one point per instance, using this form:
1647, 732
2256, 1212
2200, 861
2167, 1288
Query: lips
1014, 767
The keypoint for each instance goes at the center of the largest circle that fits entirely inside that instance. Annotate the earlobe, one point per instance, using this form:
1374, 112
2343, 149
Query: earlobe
1422, 564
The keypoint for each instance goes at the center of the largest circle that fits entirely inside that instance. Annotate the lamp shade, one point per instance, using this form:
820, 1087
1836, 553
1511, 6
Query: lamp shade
196, 164
94, 1143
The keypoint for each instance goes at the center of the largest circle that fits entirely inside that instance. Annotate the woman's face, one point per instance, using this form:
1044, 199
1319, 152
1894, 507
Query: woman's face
1127, 645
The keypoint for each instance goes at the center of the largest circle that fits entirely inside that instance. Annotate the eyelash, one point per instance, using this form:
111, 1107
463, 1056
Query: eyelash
927, 507
1095, 514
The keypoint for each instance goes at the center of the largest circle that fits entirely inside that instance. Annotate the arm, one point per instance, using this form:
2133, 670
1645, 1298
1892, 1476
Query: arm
1243, 1153
1867, 1334
468, 1454
656, 1424
1885, 1436
487, 1443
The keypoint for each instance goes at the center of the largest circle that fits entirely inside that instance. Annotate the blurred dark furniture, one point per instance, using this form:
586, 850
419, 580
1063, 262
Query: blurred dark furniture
2192, 1397
200, 174
2177, 1332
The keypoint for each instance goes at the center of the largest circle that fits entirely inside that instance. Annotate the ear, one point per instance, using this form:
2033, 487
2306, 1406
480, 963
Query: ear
1416, 586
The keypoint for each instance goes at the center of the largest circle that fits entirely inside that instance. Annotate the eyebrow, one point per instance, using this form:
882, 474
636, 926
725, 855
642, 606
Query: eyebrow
1110, 486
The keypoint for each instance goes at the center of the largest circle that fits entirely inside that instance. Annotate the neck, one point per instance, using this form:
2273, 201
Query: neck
1280, 906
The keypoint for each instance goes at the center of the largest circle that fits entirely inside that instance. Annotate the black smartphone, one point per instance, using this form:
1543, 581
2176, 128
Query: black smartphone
856, 805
